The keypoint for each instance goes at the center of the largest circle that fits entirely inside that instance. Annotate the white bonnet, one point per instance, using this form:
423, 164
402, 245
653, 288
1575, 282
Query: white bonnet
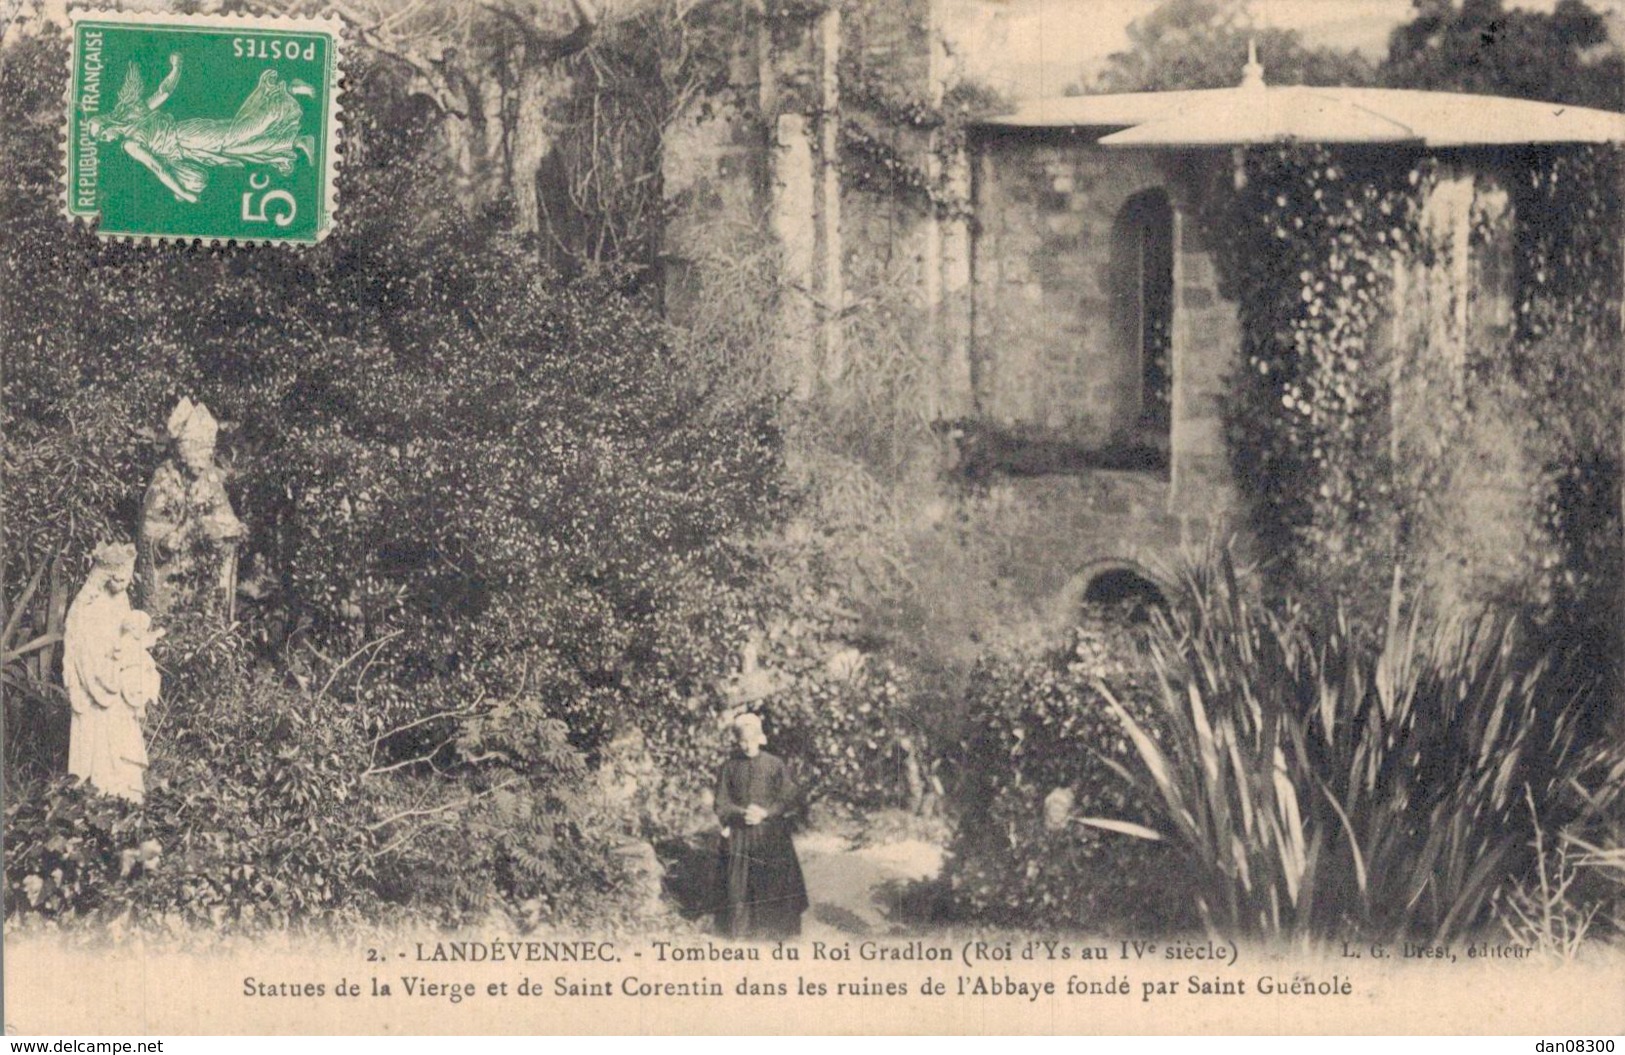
750, 723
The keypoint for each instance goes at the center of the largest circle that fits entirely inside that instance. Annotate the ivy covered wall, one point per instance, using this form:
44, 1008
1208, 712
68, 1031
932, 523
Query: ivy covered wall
1432, 360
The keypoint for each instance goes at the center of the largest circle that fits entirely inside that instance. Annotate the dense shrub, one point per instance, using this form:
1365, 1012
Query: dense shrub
66, 849
519, 487
517, 830
1038, 759
844, 716
254, 816
269, 806
518, 505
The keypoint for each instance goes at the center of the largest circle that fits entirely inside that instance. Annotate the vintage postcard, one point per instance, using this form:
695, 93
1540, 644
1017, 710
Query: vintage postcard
813, 516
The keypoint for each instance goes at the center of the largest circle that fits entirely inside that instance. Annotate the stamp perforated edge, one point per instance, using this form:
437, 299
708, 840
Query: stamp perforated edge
334, 28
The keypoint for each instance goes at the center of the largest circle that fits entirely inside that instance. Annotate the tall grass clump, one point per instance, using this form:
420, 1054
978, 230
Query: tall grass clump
1585, 878
1322, 779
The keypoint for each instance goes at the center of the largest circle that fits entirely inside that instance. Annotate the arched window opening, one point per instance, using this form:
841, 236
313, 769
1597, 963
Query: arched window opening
1143, 254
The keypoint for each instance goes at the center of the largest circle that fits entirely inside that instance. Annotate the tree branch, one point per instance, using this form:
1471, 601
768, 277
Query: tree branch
404, 838
586, 24
540, 48
377, 643
444, 807
426, 719
427, 756
436, 82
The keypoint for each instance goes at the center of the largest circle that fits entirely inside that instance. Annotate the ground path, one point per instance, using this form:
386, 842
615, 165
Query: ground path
856, 889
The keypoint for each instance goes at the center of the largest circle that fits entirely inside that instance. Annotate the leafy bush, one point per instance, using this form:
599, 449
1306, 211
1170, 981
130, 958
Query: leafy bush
268, 806
846, 720
503, 485
515, 828
1315, 778
66, 846
1037, 758
253, 817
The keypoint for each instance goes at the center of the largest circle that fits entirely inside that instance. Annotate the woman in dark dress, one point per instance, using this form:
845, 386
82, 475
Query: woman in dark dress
765, 892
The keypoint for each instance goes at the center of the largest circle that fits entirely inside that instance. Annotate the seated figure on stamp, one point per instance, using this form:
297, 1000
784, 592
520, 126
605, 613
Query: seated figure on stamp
108, 670
189, 533
264, 131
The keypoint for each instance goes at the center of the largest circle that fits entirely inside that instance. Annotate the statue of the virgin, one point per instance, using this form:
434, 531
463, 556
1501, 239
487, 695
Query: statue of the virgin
110, 677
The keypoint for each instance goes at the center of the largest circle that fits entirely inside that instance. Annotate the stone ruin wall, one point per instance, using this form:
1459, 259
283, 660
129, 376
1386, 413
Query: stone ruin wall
1016, 315
1014, 319
1049, 357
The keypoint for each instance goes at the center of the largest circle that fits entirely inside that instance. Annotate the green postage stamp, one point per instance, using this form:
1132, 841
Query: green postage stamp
183, 127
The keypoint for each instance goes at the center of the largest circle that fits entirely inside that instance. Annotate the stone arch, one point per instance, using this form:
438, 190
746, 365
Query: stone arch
1117, 581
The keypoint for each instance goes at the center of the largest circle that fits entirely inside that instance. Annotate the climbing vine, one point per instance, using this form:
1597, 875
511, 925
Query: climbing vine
1311, 267
1364, 437
895, 141
881, 119
1567, 357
